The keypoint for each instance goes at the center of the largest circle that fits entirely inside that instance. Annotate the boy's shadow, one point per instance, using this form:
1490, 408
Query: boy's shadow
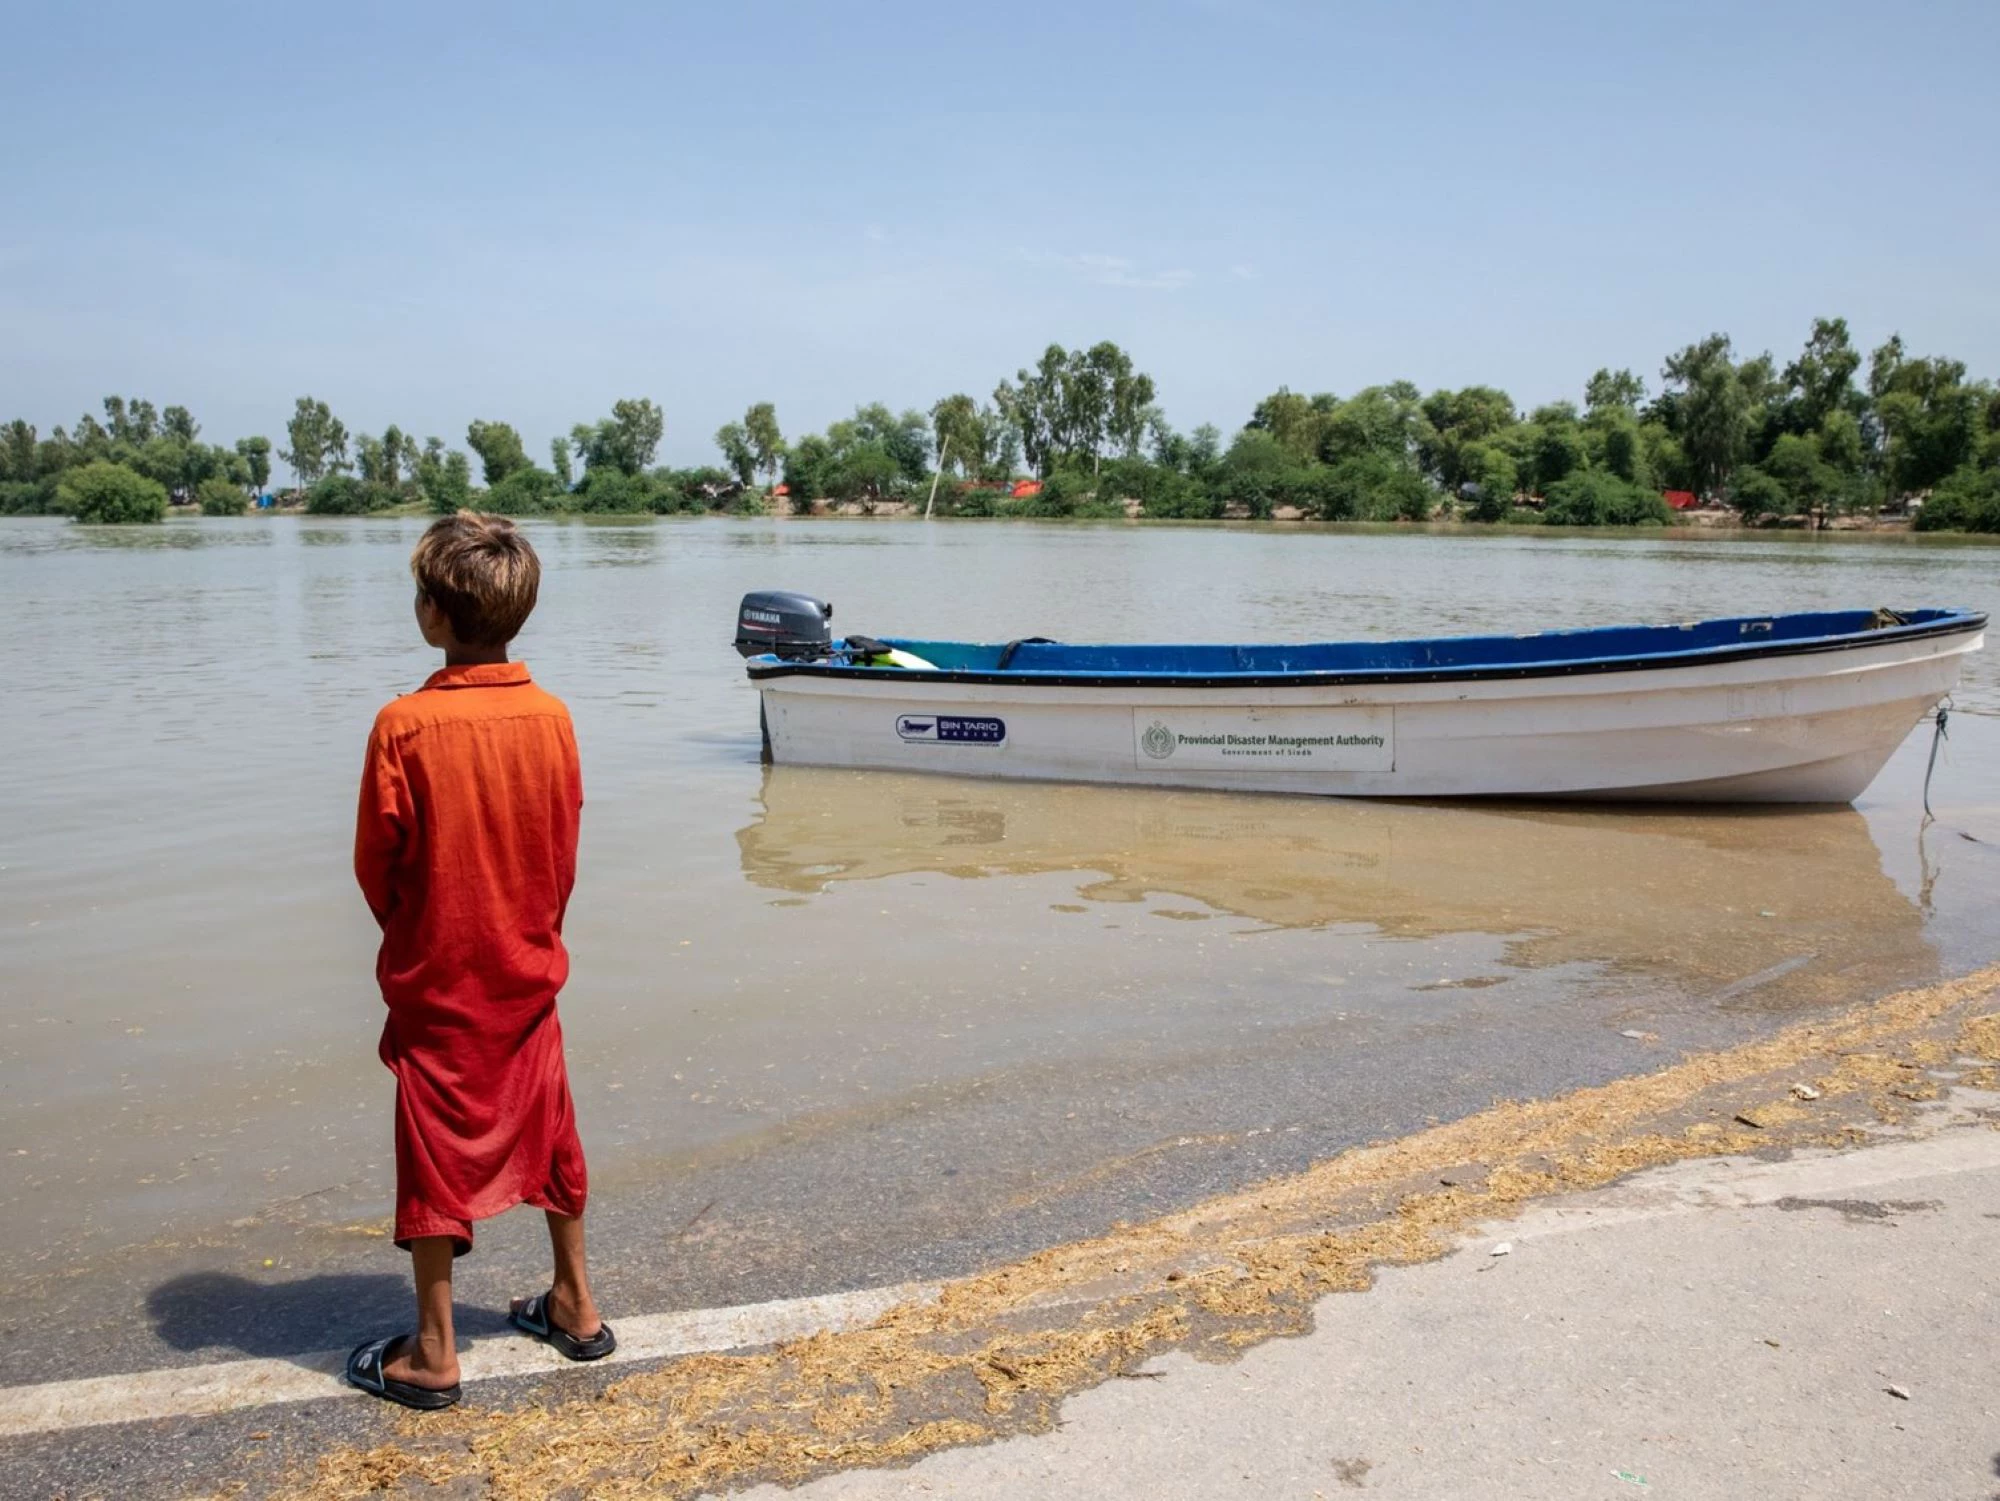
218, 1311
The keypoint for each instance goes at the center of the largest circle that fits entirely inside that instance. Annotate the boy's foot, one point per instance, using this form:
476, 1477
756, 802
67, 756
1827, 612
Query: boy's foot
547, 1317
391, 1369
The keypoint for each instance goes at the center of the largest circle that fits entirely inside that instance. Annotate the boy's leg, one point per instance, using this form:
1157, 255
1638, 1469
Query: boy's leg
571, 1306
431, 1359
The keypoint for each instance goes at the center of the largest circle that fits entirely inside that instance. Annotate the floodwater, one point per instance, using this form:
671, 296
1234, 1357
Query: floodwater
940, 1003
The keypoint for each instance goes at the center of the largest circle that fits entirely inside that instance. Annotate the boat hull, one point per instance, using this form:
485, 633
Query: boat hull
1811, 727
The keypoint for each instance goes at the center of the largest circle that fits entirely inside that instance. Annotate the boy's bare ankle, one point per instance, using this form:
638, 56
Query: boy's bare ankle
430, 1358
574, 1309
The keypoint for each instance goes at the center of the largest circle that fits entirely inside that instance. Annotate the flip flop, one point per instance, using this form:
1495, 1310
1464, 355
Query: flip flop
532, 1317
364, 1371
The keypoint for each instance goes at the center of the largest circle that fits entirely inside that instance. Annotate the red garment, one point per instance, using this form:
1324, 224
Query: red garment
465, 848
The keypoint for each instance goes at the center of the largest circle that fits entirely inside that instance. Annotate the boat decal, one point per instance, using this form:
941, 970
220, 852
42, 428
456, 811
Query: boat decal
951, 729
1266, 739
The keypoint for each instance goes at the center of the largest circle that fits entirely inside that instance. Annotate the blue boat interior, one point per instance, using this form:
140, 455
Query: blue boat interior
1471, 653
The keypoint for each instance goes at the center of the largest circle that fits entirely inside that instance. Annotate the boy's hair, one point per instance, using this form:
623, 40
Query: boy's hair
481, 572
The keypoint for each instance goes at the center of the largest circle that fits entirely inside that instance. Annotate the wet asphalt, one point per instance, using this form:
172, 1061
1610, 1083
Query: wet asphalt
927, 1187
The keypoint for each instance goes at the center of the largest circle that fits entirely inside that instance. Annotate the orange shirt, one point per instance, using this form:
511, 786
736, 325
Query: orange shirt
465, 848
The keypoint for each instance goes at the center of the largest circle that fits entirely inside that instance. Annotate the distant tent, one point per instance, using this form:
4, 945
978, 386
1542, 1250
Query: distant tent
781, 489
1024, 488
1681, 500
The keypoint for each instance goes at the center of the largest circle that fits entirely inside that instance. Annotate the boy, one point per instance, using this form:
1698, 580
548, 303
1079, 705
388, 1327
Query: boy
465, 848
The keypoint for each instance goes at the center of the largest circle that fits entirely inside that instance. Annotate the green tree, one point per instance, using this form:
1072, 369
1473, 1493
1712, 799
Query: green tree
1452, 440
1293, 420
560, 461
318, 439
906, 438
178, 422
738, 454
625, 441
1494, 478
499, 449
1821, 379
1381, 421
1795, 463
960, 435
1613, 391
399, 455
103, 494
132, 421
767, 443
1932, 422
17, 452
91, 441
256, 455
1071, 405
1708, 411
1621, 449
444, 478
369, 461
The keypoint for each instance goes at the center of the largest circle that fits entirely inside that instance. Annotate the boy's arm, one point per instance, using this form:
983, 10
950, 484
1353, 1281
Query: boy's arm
572, 818
382, 825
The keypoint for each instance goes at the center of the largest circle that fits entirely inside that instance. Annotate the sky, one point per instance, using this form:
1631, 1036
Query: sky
427, 213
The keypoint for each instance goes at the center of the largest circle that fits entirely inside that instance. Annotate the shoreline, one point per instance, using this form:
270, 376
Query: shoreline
997, 1354
1850, 528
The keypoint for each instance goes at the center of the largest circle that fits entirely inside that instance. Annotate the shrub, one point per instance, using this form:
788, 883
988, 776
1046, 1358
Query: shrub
1370, 487
1255, 472
1592, 497
219, 498
969, 500
104, 494
29, 497
611, 492
1755, 493
1966, 500
1163, 490
337, 495
1068, 493
527, 491
694, 491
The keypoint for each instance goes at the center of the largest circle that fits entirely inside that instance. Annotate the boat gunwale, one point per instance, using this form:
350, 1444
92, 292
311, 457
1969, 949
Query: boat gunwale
1966, 622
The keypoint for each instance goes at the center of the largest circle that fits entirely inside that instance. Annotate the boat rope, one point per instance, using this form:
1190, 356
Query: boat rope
1937, 738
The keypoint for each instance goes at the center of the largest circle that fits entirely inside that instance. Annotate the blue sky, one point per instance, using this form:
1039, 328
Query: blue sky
429, 213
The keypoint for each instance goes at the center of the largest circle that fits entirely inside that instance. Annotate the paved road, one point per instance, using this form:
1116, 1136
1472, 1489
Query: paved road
1715, 1331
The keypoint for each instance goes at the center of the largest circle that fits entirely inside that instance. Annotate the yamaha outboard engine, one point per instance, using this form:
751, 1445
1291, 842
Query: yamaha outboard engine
792, 626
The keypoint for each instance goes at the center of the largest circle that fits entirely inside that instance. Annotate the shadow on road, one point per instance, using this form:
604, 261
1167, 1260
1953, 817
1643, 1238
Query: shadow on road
219, 1311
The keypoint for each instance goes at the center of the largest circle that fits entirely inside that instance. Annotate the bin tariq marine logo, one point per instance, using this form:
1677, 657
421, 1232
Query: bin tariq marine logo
1158, 741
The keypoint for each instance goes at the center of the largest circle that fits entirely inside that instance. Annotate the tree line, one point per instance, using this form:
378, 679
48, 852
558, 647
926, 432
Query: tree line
1824, 434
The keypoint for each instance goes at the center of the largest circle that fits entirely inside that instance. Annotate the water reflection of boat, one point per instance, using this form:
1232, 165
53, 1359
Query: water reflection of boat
1792, 901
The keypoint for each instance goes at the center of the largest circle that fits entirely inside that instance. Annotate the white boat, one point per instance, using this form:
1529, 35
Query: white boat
1800, 708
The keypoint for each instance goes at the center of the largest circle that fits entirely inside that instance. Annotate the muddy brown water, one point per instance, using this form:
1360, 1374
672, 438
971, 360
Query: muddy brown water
771, 957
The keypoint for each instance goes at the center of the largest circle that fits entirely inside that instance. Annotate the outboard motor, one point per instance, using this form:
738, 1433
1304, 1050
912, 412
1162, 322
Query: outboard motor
792, 626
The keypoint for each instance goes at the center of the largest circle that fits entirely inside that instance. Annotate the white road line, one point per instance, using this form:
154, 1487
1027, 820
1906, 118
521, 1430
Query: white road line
197, 1391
